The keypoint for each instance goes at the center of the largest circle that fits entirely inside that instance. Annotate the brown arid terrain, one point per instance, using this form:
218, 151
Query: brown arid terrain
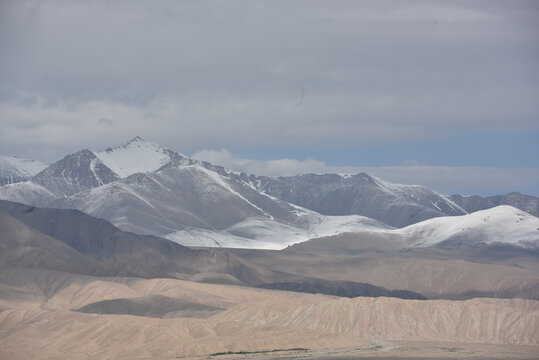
438, 273
55, 315
84, 289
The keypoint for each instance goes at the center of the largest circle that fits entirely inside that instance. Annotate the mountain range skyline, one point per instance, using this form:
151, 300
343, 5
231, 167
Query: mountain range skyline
447, 180
148, 189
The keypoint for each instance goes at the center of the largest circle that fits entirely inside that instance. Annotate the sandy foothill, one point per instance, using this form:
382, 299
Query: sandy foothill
39, 321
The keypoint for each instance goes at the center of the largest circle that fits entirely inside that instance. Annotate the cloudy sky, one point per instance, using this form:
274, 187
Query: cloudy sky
444, 93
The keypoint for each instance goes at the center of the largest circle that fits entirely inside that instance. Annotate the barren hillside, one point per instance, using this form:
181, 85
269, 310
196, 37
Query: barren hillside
41, 319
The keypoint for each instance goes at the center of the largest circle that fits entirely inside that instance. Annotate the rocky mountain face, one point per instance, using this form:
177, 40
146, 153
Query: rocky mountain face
75, 173
178, 198
86, 170
72, 241
360, 194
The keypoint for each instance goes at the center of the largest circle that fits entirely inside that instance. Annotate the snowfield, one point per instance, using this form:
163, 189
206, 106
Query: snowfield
503, 224
262, 233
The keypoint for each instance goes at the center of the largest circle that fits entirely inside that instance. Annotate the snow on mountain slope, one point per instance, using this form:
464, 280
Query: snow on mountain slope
14, 169
194, 205
86, 169
499, 225
16, 166
176, 198
256, 233
145, 188
359, 194
136, 156
417, 192
332, 225
210, 238
504, 224
252, 233
27, 192
75, 173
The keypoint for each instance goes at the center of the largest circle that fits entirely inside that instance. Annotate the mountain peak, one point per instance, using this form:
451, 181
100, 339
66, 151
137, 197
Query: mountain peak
136, 156
74, 173
136, 139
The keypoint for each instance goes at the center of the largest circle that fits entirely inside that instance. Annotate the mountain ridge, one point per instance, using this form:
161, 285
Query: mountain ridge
360, 194
74, 242
473, 203
148, 189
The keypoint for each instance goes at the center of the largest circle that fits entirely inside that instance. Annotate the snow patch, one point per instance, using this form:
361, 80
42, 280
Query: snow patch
221, 182
16, 166
258, 233
136, 156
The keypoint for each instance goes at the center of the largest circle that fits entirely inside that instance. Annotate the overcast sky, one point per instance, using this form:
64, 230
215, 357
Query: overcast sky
444, 94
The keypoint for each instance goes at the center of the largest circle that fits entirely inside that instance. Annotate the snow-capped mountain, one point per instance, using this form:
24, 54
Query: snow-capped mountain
147, 189
75, 173
175, 198
193, 205
136, 156
360, 194
503, 224
499, 225
14, 169
87, 169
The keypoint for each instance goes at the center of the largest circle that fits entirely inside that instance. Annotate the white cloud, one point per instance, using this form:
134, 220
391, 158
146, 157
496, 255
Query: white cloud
280, 167
446, 179
221, 157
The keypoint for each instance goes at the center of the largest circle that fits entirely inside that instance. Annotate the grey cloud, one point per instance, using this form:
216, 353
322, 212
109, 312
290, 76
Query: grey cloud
104, 121
257, 48
198, 121
245, 73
